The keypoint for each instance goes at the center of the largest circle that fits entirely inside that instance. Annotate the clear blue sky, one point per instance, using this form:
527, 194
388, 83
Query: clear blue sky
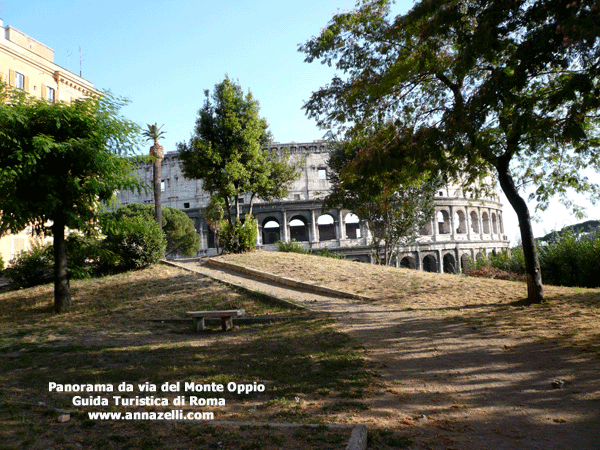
163, 54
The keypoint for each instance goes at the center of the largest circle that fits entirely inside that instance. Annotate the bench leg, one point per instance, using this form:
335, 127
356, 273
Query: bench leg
198, 323
226, 323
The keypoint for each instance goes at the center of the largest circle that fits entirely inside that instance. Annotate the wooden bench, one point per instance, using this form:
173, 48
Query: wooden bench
225, 315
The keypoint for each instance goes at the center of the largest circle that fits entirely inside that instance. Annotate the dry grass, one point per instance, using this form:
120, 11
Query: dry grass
572, 314
307, 367
312, 372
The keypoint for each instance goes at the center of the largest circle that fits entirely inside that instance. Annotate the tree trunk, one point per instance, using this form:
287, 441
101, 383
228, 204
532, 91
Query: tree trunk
62, 290
228, 209
532, 263
157, 172
251, 204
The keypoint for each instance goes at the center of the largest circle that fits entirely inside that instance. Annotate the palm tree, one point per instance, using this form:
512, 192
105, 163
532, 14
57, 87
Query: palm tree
153, 133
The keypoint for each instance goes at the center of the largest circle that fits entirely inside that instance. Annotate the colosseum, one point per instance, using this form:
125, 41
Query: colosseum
462, 227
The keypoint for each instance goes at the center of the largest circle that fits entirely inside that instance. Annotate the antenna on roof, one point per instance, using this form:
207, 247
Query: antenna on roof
80, 62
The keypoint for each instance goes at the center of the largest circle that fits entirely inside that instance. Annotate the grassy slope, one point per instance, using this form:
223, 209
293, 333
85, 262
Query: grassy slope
312, 373
308, 368
570, 313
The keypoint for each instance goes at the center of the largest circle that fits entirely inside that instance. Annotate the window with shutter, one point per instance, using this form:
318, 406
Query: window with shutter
19, 80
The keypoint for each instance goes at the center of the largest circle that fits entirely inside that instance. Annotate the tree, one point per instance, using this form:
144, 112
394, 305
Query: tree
58, 161
226, 151
179, 230
157, 152
470, 87
394, 213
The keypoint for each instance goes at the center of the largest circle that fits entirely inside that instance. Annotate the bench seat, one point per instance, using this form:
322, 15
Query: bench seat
225, 315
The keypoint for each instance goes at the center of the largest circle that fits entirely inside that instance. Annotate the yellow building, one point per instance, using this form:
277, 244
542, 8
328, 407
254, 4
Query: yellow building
29, 65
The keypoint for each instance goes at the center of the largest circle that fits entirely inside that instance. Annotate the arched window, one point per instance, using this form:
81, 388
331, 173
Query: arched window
443, 219
271, 231
486, 222
474, 222
449, 263
298, 229
408, 262
460, 219
429, 264
465, 261
326, 226
426, 229
352, 226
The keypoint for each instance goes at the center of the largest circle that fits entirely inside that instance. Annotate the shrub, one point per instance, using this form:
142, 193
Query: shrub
326, 253
182, 238
179, 230
1, 264
500, 265
239, 238
291, 246
567, 260
32, 267
571, 260
85, 254
513, 262
136, 241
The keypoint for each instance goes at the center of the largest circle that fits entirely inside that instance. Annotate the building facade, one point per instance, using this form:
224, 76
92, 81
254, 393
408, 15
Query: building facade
29, 65
462, 227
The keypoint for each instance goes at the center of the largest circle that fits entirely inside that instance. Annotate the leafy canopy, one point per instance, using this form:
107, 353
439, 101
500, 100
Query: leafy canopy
461, 88
226, 150
393, 212
58, 162
61, 160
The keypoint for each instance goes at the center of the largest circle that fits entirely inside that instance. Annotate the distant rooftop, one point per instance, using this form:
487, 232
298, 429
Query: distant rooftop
22, 40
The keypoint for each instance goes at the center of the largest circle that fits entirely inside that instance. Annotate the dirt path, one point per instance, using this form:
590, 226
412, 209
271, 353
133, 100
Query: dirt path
450, 384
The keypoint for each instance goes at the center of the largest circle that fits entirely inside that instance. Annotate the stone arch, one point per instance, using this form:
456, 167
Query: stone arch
426, 229
352, 226
474, 222
408, 262
450, 263
465, 261
485, 219
271, 231
443, 220
211, 238
494, 224
326, 226
429, 263
298, 229
461, 220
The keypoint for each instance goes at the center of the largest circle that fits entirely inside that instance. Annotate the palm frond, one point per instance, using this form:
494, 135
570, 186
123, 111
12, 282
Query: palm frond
153, 132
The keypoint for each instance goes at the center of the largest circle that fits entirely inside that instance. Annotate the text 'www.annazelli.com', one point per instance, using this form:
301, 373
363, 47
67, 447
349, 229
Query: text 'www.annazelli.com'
152, 415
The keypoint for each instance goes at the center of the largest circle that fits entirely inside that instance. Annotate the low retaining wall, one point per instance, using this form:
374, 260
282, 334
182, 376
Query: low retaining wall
287, 281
